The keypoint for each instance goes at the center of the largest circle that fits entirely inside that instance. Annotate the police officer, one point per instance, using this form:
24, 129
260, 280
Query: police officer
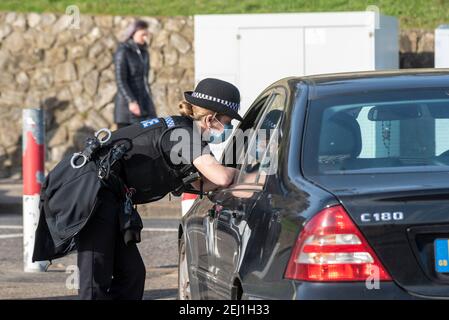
160, 149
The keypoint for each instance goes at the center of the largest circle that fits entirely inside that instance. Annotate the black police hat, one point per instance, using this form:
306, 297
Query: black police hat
216, 95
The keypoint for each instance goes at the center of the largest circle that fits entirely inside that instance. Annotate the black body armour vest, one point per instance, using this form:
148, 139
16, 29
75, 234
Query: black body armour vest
70, 195
145, 167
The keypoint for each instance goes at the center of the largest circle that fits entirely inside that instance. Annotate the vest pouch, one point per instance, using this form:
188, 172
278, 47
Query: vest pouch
130, 225
69, 198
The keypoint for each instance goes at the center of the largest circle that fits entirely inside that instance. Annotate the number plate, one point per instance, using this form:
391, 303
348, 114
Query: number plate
442, 255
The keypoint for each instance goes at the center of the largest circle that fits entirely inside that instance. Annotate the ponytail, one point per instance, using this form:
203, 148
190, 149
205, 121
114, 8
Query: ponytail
186, 109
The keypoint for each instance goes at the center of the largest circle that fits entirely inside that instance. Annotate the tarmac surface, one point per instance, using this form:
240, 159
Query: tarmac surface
158, 249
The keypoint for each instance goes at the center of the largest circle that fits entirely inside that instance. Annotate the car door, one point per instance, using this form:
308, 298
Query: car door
201, 219
199, 229
233, 206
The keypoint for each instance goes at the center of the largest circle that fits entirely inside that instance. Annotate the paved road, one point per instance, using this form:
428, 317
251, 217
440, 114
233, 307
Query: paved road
158, 249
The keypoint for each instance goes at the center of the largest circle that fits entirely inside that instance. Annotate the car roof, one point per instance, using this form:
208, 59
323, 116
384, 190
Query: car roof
351, 82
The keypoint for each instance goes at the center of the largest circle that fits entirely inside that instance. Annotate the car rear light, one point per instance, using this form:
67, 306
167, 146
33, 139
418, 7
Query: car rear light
331, 248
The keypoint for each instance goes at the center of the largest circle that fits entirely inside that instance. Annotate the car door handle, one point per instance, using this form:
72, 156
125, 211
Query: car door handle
211, 213
214, 211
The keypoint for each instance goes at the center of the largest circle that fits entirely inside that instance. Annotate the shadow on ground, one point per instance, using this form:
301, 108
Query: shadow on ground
155, 294
10, 200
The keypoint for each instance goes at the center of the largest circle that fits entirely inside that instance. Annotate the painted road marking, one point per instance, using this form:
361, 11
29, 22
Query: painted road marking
9, 236
160, 229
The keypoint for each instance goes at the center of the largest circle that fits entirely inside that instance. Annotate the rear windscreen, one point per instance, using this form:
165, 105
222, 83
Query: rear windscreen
375, 132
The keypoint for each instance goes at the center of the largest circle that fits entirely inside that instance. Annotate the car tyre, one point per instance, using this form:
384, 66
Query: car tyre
184, 292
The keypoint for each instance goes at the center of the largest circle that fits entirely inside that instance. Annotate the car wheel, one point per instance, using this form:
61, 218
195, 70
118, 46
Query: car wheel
183, 273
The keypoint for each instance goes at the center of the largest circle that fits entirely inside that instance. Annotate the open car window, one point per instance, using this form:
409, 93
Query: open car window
260, 158
239, 139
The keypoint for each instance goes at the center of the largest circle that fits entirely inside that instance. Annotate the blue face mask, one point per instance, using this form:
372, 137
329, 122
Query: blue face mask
216, 137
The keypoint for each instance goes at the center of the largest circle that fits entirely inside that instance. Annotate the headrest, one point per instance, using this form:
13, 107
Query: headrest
340, 136
271, 119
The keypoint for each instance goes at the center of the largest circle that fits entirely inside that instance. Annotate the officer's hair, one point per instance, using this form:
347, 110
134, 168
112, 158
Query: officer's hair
196, 113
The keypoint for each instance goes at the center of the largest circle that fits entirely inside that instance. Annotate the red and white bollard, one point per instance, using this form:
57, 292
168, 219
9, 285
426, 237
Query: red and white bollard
33, 177
187, 200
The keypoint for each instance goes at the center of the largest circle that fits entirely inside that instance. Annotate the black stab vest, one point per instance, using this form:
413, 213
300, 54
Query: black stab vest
145, 167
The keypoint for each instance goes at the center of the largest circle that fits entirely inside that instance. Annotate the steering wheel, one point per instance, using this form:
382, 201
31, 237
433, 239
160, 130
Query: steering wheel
442, 159
444, 154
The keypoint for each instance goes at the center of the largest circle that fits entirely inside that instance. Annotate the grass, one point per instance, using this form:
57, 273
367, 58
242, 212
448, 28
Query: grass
412, 13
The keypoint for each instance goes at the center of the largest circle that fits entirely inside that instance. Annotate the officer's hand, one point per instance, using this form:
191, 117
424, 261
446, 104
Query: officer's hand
214, 171
236, 173
134, 108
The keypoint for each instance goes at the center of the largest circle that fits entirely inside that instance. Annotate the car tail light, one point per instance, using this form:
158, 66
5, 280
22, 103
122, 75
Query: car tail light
331, 248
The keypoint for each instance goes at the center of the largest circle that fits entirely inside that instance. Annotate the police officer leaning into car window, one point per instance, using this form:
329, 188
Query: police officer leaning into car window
110, 269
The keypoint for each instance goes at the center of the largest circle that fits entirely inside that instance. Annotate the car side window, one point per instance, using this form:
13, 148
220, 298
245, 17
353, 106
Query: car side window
260, 159
237, 147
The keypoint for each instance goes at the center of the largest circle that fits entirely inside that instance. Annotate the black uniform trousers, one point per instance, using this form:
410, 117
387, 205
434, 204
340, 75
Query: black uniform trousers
109, 269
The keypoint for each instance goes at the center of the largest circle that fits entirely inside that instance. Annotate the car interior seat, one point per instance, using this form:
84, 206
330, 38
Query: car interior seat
340, 141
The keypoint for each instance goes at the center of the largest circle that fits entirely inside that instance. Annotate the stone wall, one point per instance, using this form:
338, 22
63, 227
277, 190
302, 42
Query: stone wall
417, 48
70, 73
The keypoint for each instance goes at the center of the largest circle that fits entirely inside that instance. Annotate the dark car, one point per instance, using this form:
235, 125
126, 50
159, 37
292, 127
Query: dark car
355, 207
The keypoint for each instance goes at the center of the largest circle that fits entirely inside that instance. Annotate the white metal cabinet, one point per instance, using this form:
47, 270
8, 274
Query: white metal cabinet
265, 56
442, 47
254, 50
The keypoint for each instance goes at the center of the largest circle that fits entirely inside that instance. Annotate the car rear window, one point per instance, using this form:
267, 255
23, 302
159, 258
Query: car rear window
376, 132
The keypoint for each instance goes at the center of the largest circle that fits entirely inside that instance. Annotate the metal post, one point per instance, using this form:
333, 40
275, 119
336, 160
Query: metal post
187, 200
33, 177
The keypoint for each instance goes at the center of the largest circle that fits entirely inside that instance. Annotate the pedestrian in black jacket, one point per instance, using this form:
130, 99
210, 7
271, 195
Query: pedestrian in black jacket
133, 101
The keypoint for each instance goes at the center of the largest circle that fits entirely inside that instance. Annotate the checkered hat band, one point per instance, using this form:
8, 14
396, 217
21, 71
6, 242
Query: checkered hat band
169, 121
234, 106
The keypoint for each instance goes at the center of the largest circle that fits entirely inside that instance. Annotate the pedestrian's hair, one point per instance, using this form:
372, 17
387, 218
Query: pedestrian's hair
196, 113
140, 24
134, 27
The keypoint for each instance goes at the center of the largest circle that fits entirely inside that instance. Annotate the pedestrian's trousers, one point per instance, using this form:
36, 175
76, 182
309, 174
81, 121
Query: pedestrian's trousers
108, 268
